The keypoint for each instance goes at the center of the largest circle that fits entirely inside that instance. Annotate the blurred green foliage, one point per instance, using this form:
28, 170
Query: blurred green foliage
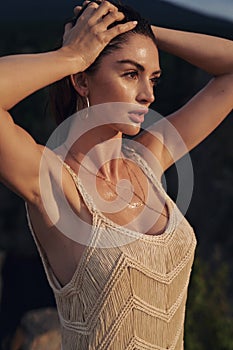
209, 321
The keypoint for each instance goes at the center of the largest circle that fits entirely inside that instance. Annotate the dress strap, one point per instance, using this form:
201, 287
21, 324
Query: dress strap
87, 199
142, 163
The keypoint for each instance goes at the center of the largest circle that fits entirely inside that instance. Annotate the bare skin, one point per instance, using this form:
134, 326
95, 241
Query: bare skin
120, 82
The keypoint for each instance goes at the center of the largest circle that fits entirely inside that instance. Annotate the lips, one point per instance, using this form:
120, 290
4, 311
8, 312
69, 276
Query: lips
137, 116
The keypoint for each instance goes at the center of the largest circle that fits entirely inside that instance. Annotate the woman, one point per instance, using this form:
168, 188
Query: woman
116, 250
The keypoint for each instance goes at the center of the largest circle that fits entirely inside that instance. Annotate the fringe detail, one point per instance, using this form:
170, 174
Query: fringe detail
129, 290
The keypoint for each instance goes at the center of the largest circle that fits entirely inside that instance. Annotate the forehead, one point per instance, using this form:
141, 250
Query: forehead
138, 48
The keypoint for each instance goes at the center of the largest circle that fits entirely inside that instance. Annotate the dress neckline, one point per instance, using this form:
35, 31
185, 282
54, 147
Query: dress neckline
90, 204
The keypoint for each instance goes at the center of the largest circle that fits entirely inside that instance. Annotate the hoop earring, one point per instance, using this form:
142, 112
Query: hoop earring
88, 102
85, 116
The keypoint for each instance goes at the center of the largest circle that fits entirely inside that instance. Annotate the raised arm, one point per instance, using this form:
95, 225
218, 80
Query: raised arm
21, 75
212, 54
206, 110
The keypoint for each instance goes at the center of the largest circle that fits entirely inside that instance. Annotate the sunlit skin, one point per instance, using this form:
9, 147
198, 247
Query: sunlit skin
127, 75
22, 75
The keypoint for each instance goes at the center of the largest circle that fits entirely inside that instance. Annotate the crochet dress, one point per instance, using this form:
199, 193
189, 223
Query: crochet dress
126, 296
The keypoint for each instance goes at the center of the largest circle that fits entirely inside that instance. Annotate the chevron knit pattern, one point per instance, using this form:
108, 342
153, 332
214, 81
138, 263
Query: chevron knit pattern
127, 296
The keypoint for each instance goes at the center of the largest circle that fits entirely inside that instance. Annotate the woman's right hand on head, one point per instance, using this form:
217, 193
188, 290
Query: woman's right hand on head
90, 35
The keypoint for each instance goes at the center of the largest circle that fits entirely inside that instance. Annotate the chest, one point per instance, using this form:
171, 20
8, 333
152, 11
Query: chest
132, 202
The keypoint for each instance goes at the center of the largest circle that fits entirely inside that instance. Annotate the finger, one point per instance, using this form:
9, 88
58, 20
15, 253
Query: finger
112, 17
77, 9
120, 29
91, 8
85, 3
67, 29
101, 10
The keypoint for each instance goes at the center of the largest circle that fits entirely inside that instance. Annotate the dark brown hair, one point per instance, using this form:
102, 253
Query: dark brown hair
63, 96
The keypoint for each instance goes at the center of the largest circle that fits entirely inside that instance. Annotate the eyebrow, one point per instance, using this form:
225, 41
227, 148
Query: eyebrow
137, 65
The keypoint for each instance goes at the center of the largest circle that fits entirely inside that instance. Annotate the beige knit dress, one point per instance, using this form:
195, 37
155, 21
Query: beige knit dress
128, 296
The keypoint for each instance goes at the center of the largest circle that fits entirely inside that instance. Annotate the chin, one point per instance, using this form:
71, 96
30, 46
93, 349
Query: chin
128, 129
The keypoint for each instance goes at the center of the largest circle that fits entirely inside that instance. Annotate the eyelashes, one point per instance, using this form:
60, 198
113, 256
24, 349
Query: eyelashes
131, 74
155, 81
134, 75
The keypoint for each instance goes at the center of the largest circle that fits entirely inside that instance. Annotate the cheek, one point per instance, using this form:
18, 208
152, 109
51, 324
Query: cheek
110, 90
121, 90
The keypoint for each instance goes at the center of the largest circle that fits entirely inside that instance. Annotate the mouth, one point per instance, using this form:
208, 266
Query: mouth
138, 116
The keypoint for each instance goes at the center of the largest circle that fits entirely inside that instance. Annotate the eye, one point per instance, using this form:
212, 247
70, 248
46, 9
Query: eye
155, 81
132, 74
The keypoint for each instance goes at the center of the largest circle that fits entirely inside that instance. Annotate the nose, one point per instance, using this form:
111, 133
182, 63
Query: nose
145, 94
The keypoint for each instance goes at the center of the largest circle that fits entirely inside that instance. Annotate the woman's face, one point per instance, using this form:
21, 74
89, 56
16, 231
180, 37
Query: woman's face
127, 75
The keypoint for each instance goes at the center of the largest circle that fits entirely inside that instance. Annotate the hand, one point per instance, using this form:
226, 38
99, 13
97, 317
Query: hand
68, 26
90, 34
77, 9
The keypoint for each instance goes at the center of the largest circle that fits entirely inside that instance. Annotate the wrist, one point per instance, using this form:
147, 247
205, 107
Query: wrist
73, 62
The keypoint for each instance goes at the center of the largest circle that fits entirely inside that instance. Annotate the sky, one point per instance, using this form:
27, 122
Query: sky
217, 8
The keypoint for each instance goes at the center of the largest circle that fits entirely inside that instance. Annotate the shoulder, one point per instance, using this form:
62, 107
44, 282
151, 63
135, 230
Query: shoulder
58, 189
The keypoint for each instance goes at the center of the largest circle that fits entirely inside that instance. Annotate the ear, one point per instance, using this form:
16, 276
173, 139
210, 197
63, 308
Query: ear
80, 83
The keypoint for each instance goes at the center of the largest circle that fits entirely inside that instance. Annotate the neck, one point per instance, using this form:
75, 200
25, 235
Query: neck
98, 148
